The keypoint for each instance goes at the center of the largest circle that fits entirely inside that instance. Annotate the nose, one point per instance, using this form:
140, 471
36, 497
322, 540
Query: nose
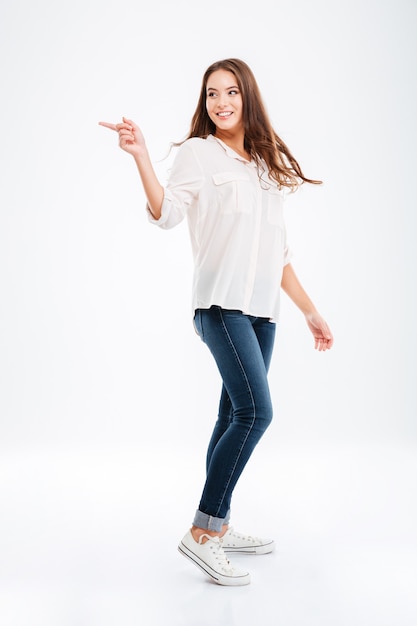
223, 100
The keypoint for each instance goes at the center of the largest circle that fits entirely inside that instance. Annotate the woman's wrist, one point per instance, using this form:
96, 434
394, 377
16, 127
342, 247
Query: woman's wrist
310, 311
141, 154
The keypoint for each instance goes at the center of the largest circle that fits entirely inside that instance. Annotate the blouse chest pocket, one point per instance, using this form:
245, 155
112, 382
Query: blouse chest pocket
275, 208
234, 192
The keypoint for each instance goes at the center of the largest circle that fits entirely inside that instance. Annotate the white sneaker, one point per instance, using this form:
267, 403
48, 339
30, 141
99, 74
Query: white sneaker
245, 544
211, 559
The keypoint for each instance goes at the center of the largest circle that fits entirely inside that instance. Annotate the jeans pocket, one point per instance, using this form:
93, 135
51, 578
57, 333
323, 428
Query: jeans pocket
198, 324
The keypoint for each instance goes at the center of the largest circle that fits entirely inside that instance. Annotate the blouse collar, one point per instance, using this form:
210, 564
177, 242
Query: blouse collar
229, 151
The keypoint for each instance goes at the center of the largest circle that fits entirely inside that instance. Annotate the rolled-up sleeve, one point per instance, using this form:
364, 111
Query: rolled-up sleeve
182, 188
287, 255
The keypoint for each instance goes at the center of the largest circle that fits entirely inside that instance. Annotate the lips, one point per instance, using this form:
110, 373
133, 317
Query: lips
224, 114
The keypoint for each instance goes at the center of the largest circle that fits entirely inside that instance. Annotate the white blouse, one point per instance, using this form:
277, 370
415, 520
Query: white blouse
236, 225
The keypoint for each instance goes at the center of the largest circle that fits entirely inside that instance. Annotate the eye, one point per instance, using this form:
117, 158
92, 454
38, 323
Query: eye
211, 94
233, 92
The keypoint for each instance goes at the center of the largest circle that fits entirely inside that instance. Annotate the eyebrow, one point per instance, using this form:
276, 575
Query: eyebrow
213, 89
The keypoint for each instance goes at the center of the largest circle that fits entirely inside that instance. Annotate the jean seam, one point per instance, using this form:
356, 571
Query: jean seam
253, 405
200, 315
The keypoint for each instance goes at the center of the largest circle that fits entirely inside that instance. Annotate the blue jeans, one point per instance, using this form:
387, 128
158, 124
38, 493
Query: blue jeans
242, 348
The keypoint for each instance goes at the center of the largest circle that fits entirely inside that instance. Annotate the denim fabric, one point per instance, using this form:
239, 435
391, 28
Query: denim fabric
242, 348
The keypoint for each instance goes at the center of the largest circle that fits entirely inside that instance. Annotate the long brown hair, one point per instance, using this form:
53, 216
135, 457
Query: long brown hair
261, 141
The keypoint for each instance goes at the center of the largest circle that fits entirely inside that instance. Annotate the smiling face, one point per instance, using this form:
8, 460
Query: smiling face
224, 102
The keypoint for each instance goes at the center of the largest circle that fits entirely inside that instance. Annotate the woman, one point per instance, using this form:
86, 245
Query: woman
229, 178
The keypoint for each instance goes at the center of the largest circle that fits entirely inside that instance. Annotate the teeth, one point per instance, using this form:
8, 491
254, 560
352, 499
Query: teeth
226, 114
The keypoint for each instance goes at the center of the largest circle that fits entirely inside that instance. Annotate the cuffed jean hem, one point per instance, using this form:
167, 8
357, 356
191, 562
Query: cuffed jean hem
203, 520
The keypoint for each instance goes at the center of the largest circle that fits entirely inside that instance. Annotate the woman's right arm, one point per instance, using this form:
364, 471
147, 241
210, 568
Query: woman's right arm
132, 141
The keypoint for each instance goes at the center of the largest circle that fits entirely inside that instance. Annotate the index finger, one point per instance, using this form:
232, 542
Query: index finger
108, 125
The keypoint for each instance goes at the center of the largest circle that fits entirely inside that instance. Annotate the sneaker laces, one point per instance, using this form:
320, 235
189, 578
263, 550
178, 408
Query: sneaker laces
218, 552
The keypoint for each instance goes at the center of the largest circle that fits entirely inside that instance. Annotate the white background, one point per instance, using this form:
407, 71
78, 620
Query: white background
107, 396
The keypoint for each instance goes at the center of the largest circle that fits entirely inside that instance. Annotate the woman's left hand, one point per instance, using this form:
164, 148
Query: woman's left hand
323, 338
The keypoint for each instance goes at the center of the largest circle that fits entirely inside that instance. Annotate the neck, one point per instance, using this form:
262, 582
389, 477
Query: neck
235, 141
